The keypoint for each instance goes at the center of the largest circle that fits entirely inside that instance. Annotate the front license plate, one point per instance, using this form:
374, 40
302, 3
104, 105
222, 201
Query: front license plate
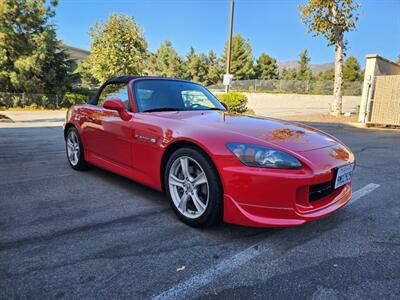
343, 175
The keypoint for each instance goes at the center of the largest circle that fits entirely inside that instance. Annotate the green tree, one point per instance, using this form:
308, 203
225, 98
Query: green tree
31, 59
289, 74
332, 19
304, 71
191, 54
241, 58
289, 80
215, 71
187, 61
398, 59
167, 62
351, 69
327, 75
324, 80
85, 75
118, 48
266, 67
196, 66
203, 68
149, 64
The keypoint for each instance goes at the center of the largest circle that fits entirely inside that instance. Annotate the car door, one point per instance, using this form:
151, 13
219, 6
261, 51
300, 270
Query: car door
107, 135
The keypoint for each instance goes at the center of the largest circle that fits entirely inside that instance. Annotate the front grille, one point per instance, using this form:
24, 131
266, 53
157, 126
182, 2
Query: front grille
320, 191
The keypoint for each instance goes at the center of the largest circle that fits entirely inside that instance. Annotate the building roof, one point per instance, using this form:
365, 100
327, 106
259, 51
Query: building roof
77, 54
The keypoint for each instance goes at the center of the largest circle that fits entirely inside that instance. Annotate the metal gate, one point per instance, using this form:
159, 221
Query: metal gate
385, 102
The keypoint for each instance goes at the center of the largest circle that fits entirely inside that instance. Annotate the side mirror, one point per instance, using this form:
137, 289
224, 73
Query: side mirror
117, 105
225, 105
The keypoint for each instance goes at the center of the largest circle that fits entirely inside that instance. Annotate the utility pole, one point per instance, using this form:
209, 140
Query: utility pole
228, 76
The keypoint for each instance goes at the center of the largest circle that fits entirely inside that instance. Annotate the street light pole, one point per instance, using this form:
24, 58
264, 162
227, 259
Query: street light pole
229, 50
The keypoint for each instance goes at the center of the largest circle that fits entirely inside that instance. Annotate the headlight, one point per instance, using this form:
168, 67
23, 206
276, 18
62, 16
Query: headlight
263, 157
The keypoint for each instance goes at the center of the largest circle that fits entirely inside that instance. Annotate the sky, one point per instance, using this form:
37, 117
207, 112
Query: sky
272, 26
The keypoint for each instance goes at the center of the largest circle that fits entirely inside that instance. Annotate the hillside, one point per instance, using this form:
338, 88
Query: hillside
315, 68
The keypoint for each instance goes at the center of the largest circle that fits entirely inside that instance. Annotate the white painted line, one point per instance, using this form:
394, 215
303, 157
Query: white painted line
186, 288
362, 192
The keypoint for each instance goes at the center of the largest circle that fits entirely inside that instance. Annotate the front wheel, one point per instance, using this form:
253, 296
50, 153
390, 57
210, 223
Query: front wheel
74, 149
193, 187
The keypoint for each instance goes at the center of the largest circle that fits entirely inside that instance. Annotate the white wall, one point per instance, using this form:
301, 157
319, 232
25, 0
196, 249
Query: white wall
295, 104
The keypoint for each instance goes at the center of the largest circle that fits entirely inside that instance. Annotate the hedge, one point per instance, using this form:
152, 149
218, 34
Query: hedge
236, 101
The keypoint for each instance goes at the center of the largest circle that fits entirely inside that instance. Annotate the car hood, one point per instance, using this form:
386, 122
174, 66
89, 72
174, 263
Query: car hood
292, 136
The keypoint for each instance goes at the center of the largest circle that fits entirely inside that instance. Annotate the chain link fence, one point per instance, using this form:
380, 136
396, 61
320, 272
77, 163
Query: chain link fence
49, 101
26, 99
352, 88
53, 101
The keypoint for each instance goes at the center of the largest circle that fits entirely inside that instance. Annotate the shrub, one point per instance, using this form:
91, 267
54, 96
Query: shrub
73, 98
33, 106
17, 101
43, 101
236, 101
4, 102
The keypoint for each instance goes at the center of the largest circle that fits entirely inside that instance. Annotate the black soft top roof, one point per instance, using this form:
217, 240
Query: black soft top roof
126, 79
122, 79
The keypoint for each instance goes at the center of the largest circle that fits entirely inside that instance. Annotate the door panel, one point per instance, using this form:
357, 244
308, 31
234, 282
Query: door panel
109, 137
105, 133
115, 143
89, 126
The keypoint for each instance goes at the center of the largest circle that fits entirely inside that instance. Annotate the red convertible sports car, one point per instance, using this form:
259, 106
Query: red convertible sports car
175, 136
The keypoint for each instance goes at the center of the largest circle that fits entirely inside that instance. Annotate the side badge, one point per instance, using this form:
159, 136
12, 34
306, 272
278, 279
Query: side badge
145, 138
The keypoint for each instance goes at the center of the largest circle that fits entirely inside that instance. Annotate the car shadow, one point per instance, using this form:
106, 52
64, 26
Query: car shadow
160, 200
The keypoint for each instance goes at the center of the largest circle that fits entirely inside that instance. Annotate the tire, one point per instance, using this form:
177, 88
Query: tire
190, 188
74, 144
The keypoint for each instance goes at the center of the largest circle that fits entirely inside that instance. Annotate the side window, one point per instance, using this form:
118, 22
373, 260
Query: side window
145, 96
113, 91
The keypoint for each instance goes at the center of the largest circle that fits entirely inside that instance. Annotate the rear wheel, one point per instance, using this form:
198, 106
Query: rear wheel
74, 150
193, 187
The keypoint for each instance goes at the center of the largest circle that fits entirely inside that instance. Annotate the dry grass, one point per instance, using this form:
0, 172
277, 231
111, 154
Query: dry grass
322, 118
35, 108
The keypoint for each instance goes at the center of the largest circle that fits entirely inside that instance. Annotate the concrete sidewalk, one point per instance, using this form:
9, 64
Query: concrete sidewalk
33, 118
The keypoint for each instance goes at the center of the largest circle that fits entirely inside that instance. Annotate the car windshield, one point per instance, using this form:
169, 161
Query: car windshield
173, 95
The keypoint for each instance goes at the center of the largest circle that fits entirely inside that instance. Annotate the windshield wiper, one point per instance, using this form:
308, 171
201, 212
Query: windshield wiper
162, 109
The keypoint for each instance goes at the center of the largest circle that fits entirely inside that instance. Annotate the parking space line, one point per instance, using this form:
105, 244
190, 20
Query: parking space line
186, 288
362, 192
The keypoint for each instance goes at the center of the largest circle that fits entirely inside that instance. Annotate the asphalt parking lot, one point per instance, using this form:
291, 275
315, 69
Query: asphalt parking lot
96, 235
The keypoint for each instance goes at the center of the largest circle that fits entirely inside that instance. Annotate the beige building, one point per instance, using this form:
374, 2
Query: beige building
76, 54
380, 100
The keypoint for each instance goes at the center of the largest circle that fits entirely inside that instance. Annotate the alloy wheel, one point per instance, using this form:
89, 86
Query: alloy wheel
73, 150
188, 187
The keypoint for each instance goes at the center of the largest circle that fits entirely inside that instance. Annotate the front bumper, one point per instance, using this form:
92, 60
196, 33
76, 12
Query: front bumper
265, 216
280, 198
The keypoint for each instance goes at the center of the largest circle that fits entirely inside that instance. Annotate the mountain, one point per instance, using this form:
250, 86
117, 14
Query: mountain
294, 64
